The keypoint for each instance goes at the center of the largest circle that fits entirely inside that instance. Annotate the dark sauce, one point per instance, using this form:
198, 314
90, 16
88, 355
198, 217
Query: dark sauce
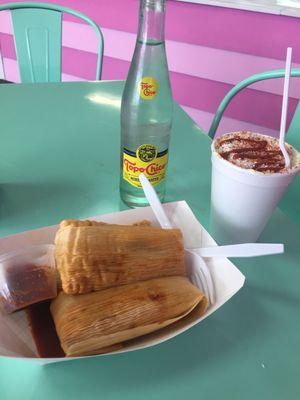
20, 281
43, 330
256, 151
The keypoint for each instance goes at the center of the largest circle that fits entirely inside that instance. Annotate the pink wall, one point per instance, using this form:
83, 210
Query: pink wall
209, 50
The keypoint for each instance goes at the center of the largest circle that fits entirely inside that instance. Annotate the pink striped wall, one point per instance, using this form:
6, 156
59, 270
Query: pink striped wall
209, 50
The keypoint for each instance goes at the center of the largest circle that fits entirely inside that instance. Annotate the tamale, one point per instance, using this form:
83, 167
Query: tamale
87, 323
88, 222
91, 256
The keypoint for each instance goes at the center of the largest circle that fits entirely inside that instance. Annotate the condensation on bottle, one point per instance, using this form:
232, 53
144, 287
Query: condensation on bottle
146, 110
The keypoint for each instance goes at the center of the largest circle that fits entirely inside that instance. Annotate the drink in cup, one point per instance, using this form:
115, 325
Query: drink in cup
249, 178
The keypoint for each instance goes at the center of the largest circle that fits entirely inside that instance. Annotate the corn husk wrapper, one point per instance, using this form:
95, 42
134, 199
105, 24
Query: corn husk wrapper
87, 323
15, 334
91, 256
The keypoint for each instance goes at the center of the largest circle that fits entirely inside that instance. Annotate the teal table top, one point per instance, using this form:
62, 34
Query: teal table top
60, 159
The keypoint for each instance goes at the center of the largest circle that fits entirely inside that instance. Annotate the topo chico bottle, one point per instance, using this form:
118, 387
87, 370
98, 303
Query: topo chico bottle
146, 110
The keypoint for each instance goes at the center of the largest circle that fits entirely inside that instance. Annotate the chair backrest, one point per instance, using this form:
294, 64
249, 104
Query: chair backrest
290, 203
37, 34
240, 86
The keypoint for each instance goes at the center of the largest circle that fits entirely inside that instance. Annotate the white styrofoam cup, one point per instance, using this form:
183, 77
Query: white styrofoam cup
243, 200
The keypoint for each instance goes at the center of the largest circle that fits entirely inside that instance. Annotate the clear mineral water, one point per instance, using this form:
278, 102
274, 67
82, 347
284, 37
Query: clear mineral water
146, 114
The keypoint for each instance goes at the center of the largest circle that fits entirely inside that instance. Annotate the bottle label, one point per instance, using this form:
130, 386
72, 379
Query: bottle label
145, 160
148, 88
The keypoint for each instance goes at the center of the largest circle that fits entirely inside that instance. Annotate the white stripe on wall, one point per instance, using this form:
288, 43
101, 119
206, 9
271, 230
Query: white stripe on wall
185, 58
1, 67
198, 61
12, 72
204, 119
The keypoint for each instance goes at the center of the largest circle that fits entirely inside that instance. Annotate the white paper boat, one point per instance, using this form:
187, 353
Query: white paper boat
15, 335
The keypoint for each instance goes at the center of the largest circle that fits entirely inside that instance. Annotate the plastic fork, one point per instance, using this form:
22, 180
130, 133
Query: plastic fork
201, 277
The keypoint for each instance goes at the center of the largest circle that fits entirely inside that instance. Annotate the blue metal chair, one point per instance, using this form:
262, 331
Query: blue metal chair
37, 34
242, 85
290, 204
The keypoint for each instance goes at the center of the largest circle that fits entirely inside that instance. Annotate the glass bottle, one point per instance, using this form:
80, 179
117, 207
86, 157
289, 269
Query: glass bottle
146, 110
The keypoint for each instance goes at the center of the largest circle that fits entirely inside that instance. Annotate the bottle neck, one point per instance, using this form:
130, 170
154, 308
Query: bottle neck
152, 21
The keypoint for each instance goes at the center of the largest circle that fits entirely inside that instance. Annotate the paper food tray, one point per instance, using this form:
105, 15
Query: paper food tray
15, 335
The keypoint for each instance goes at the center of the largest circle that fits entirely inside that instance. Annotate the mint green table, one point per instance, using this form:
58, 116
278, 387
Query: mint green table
60, 159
